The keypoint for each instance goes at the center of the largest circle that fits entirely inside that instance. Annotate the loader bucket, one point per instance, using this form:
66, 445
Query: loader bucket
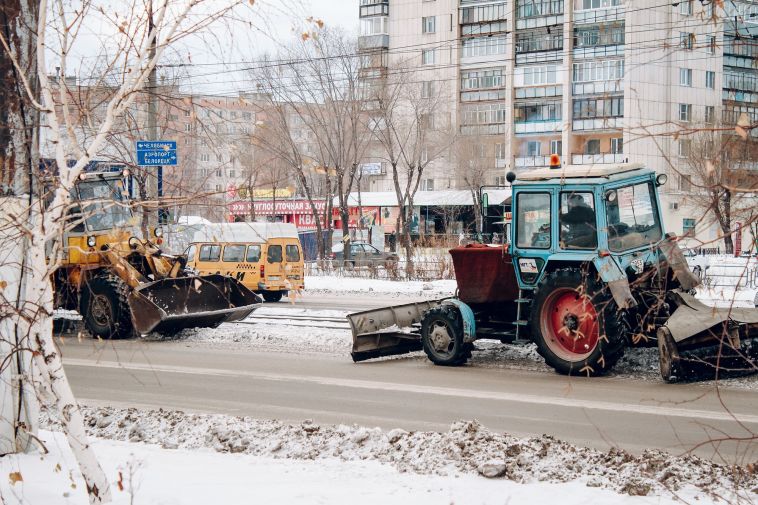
702, 342
170, 305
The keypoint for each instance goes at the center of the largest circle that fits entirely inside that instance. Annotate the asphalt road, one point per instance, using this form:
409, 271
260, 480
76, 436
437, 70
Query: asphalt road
414, 395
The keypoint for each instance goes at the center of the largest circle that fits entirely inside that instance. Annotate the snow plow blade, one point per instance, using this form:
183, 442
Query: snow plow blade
170, 305
702, 342
388, 331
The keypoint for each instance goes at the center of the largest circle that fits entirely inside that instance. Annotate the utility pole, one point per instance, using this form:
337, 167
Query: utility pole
155, 186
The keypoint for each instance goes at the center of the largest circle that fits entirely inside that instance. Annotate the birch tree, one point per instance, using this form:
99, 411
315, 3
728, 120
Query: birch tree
38, 37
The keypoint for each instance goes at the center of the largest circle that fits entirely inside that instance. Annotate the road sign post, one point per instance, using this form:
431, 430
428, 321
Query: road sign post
157, 153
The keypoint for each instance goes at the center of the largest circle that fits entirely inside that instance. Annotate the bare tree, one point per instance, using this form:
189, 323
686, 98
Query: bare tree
320, 87
411, 125
36, 33
475, 161
718, 176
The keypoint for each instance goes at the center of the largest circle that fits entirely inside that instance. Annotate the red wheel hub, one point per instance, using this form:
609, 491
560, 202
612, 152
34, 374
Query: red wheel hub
570, 324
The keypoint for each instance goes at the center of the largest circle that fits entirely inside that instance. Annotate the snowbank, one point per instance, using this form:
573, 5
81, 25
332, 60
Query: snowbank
224, 459
350, 285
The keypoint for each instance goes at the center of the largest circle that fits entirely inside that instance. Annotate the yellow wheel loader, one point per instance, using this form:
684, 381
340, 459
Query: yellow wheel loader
124, 285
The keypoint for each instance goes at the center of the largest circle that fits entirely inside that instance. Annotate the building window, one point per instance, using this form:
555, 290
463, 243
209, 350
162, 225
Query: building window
617, 145
685, 183
685, 112
688, 226
556, 147
500, 151
533, 148
218, 188
685, 77
482, 79
424, 155
247, 115
539, 111
596, 36
231, 173
711, 49
710, 114
219, 173
592, 71
427, 185
427, 57
429, 24
597, 4
543, 74
592, 108
374, 25
686, 40
685, 7
187, 113
186, 141
427, 89
187, 127
685, 147
592, 146
205, 157
483, 46
710, 79
219, 157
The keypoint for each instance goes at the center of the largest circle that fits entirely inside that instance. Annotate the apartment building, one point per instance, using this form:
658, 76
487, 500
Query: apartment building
595, 81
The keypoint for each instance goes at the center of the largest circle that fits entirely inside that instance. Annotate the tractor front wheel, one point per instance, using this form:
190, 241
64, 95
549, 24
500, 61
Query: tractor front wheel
576, 324
104, 308
442, 336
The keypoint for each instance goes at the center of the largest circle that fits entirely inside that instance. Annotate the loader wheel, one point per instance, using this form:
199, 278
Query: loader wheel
272, 296
442, 336
576, 325
104, 308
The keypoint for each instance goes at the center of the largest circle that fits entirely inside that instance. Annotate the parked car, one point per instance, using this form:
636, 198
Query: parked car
362, 254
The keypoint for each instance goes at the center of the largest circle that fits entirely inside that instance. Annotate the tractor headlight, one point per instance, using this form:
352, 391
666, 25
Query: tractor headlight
91, 241
611, 196
661, 179
158, 231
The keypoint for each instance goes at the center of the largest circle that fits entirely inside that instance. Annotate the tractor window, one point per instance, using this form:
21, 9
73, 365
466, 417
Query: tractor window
210, 252
274, 254
578, 221
253, 253
533, 220
234, 253
293, 253
632, 217
191, 253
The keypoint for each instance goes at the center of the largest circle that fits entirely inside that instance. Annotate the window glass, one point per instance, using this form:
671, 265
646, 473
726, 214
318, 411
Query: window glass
578, 222
293, 253
253, 254
191, 253
274, 254
234, 253
632, 217
210, 252
533, 220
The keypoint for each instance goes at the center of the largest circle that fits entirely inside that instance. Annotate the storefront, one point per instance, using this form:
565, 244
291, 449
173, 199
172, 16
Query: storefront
297, 212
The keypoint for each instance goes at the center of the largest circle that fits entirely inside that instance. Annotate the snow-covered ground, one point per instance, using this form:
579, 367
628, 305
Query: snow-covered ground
160, 457
352, 286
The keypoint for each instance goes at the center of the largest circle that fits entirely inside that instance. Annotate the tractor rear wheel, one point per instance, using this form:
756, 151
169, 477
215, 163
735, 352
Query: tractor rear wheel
576, 324
442, 336
104, 307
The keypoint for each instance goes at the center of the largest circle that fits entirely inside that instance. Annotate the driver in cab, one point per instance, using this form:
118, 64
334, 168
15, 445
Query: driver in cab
578, 229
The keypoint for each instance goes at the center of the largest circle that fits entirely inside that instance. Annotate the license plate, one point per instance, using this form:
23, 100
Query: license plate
273, 277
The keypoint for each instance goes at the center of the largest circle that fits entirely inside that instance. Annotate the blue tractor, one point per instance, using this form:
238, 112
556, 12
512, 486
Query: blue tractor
587, 271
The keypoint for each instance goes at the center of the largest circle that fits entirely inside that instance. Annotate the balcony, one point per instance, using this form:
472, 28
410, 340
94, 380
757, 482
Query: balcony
538, 13
373, 42
584, 53
598, 159
601, 15
531, 161
370, 8
597, 124
538, 127
597, 87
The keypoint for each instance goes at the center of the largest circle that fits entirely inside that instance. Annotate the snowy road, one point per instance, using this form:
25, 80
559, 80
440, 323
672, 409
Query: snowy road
409, 393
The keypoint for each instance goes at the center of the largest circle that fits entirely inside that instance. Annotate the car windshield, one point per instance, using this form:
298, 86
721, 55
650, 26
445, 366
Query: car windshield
632, 217
103, 204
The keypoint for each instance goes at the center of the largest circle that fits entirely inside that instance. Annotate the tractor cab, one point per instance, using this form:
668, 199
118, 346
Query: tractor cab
596, 214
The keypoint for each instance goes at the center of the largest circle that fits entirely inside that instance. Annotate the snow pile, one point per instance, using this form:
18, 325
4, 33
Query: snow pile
467, 447
352, 286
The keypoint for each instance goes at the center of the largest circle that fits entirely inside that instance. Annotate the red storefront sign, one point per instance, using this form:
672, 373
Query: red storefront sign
270, 208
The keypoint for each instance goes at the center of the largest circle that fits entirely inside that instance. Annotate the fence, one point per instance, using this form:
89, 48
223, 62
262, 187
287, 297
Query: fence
424, 269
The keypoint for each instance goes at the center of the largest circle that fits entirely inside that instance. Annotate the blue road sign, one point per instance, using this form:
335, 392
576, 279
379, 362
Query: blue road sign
156, 153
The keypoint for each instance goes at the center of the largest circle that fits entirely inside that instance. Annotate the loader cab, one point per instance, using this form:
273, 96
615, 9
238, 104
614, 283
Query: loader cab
581, 214
100, 214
